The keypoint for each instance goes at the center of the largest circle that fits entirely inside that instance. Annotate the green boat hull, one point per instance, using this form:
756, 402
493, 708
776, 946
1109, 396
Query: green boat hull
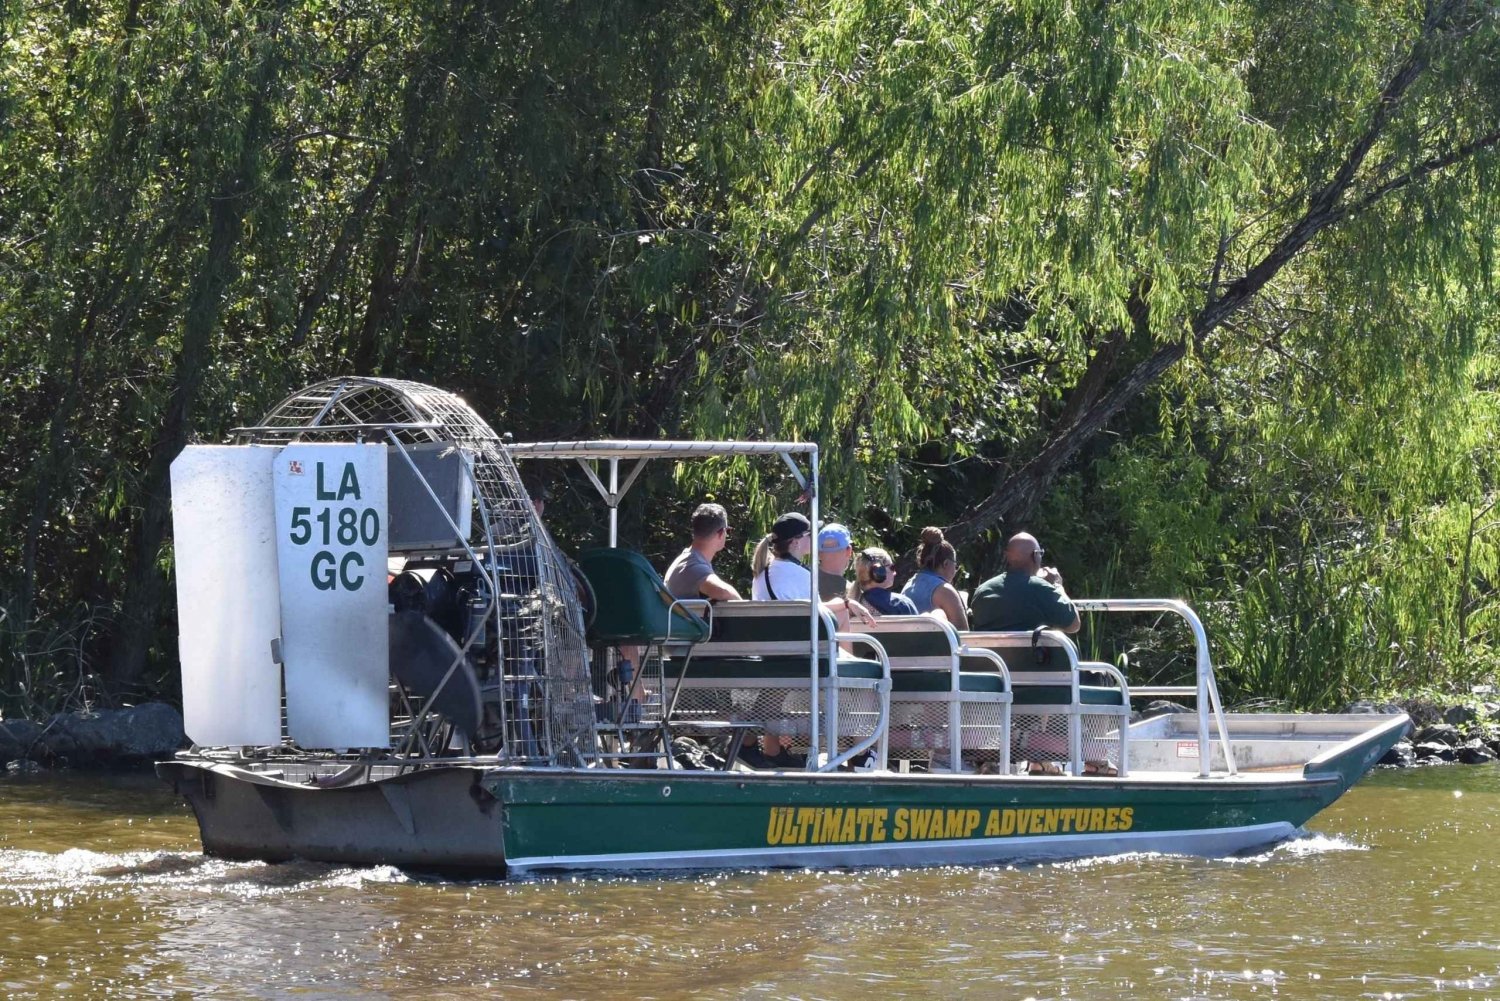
474, 818
696, 820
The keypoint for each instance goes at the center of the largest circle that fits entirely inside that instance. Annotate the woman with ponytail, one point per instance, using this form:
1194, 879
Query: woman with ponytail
931, 587
777, 563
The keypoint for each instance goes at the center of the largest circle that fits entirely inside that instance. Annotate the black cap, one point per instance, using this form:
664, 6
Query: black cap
790, 526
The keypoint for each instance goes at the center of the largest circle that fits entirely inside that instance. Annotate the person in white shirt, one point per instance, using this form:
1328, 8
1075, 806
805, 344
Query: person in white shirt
777, 563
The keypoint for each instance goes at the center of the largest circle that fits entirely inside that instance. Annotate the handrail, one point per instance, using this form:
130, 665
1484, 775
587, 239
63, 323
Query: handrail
883, 699
1208, 688
1029, 639
1004, 672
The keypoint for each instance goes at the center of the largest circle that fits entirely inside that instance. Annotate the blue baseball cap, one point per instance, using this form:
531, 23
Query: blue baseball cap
833, 538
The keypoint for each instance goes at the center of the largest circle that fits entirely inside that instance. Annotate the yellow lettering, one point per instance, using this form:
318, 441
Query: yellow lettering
1096, 819
773, 828
992, 824
879, 824
1127, 817
850, 831
1051, 822
1007, 822
921, 820
1112, 819
971, 821
805, 815
901, 820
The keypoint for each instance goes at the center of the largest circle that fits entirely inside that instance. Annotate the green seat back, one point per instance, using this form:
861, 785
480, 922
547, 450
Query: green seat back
1061, 695
775, 668
632, 602
942, 681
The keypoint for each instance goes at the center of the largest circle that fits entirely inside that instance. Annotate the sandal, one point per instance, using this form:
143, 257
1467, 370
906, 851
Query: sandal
1044, 768
1100, 768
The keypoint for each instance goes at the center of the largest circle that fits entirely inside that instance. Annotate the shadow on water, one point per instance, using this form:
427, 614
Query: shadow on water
102, 890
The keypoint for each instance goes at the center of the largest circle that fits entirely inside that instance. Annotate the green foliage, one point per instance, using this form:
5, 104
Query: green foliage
934, 238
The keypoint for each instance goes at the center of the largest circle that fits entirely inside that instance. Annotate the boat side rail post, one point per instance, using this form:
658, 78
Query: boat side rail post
1125, 693
880, 738
1209, 703
1004, 671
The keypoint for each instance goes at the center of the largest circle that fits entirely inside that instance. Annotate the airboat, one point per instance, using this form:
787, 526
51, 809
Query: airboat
387, 659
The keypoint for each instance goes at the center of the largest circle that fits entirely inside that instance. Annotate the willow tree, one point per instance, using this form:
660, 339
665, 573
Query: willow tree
998, 225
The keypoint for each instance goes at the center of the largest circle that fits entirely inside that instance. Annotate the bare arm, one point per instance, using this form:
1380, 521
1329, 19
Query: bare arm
715, 588
1051, 576
946, 600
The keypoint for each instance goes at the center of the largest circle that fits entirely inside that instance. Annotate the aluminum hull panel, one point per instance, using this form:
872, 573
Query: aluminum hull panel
471, 817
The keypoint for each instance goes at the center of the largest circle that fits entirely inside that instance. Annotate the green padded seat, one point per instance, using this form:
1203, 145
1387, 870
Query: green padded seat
775, 668
942, 681
632, 602
1061, 695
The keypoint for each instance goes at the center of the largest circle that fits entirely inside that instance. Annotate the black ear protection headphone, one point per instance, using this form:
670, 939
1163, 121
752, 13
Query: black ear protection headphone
879, 570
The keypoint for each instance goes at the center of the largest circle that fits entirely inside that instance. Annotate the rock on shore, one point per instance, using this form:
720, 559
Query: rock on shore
105, 738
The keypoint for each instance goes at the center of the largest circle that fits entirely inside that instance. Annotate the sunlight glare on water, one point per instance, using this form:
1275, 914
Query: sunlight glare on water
103, 892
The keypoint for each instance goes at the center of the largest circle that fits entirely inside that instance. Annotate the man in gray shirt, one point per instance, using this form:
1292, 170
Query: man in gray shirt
691, 574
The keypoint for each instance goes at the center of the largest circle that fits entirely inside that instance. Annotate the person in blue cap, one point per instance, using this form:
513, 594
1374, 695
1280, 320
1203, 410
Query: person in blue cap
835, 553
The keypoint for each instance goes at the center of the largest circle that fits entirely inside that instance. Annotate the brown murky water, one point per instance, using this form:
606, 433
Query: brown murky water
1392, 893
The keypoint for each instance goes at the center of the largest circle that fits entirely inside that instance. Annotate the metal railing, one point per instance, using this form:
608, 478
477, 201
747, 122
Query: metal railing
1030, 639
1207, 687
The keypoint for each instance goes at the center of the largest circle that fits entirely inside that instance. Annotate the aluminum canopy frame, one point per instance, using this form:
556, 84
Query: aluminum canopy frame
613, 451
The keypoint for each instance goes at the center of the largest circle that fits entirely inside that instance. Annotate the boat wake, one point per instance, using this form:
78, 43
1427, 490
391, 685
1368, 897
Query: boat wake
1306, 844
27, 874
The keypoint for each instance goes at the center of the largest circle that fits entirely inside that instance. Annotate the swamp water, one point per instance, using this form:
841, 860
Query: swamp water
1393, 892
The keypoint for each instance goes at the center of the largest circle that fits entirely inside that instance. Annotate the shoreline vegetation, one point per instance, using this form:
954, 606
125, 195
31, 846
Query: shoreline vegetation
1202, 296
1442, 732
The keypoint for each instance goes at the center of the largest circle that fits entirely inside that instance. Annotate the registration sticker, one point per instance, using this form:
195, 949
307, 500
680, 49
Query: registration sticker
1187, 748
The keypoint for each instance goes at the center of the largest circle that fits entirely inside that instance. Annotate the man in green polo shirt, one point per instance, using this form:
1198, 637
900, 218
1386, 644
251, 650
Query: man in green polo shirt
1025, 596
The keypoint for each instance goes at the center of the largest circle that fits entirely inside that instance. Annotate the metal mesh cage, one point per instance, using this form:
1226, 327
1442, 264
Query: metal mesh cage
521, 599
920, 728
776, 709
1043, 737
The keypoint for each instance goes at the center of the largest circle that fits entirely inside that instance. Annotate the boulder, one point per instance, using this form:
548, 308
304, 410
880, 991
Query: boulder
1430, 750
1460, 715
18, 738
1400, 756
1439, 733
1475, 753
1161, 707
115, 736
1365, 707
1492, 711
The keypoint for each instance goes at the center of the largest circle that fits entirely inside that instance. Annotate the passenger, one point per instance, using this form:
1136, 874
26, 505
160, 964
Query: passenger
835, 553
777, 563
1026, 596
931, 587
692, 574
875, 575
780, 575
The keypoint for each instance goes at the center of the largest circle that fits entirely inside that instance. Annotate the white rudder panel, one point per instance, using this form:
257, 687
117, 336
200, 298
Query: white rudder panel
331, 526
228, 608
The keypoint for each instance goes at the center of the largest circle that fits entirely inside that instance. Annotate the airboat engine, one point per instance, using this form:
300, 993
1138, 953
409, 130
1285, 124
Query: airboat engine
363, 570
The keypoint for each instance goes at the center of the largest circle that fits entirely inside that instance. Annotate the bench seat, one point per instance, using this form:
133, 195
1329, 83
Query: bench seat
704, 667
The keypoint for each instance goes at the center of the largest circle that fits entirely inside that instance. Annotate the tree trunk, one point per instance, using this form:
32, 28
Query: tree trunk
145, 585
